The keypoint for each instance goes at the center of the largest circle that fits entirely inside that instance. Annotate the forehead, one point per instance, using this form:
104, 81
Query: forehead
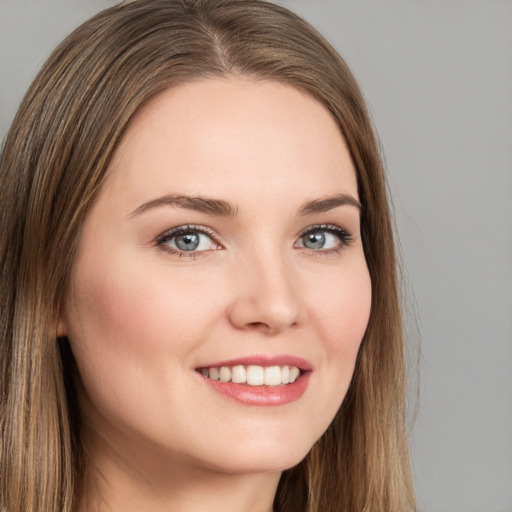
221, 136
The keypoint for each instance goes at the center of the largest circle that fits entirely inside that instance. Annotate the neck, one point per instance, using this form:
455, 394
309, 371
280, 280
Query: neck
138, 481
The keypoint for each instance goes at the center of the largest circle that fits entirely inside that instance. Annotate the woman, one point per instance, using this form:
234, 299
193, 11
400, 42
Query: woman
199, 300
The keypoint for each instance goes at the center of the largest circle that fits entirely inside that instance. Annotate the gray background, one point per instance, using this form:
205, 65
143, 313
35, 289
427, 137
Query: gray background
438, 77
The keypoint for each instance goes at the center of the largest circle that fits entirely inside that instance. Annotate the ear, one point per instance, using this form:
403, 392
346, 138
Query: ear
62, 331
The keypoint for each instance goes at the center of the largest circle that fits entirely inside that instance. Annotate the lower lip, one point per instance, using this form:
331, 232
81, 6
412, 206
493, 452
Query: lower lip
261, 395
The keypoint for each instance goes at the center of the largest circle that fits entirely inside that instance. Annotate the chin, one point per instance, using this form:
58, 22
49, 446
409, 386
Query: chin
261, 456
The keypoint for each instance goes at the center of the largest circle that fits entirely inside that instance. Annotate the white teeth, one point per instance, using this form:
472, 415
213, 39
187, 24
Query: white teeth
213, 373
224, 374
253, 375
294, 373
238, 374
272, 376
285, 374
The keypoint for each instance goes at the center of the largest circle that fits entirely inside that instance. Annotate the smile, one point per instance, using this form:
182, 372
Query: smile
253, 375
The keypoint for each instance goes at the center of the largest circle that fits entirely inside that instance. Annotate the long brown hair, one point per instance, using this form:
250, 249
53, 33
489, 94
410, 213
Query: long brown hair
53, 164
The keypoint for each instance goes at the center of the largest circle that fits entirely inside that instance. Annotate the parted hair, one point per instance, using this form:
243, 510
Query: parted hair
54, 161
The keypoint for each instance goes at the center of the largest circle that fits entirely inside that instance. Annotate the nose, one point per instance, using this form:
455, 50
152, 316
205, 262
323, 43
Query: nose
266, 298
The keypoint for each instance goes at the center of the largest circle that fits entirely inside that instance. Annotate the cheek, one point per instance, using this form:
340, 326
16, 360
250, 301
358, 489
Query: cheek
341, 314
105, 322
104, 311
130, 332
129, 313
342, 308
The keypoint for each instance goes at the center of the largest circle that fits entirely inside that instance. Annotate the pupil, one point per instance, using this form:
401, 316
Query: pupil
187, 241
314, 240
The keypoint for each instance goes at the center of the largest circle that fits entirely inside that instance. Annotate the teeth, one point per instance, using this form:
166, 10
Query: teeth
224, 374
285, 374
272, 376
294, 373
253, 375
238, 374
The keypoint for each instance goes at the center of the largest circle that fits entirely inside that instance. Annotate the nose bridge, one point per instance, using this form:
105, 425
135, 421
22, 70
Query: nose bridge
266, 296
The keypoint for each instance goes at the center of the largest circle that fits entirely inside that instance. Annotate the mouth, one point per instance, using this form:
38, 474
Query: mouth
253, 375
260, 381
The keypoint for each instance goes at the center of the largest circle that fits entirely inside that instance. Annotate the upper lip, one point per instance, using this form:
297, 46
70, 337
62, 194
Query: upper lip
263, 360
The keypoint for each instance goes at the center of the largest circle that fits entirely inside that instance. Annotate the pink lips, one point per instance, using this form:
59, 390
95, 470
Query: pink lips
263, 395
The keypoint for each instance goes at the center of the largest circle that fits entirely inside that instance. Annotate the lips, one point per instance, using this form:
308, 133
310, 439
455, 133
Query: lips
259, 380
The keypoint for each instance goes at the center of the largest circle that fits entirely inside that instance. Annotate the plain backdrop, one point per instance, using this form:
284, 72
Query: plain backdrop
438, 78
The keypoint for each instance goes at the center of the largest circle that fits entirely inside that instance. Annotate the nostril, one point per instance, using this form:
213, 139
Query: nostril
268, 305
263, 327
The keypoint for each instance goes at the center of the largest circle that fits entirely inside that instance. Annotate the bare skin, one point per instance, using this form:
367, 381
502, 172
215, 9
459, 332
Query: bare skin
228, 229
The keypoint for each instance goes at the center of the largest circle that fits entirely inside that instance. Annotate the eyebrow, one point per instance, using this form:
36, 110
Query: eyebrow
329, 203
206, 205
221, 208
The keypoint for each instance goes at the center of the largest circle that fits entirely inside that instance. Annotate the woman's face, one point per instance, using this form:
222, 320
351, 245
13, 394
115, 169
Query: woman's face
222, 257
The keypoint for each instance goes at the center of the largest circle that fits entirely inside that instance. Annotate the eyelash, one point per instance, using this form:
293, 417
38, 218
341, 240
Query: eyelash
342, 235
162, 240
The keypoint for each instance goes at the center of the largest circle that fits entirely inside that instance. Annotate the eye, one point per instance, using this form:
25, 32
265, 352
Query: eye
324, 238
187, 239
